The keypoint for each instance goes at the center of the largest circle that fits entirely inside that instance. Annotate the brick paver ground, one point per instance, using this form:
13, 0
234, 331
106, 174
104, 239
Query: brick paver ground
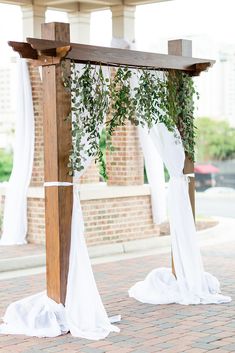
144, 328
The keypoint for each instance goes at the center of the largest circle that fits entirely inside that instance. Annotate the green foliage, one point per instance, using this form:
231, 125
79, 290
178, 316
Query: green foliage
90, 102
149, 100
5, 165
165, 97
215, 140
122, 105
102, 146
179, 104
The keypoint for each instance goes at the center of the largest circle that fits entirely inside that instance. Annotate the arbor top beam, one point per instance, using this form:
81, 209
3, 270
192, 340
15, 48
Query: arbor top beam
46, 52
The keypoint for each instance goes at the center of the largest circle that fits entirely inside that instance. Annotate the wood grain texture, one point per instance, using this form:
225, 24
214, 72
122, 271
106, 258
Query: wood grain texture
57, 144
115, 57
25, 50
188, 169
184, 47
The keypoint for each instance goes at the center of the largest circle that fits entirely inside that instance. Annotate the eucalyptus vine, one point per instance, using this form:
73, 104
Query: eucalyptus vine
180, 105
149, 99
159, 96
90, 103
122, 105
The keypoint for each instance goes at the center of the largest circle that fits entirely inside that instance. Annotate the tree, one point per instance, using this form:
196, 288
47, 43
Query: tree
5, 165
215, 140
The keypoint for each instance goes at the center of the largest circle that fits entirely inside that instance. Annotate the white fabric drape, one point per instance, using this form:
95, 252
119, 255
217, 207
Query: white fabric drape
193, 285
155, 173
15, 210
83, 314
153, 165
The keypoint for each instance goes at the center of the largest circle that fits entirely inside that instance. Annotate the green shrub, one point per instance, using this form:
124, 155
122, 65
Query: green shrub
6, 160
103, 146
215, 140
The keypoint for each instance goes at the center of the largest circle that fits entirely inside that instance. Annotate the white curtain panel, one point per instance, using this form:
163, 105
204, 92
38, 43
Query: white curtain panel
83, 314
15, 210
153, 165
192, 285
155, 173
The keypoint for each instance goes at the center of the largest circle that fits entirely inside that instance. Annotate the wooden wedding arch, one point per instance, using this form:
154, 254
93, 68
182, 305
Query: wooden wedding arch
48, 53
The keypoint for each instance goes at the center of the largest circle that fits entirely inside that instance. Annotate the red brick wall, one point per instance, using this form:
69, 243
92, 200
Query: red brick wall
118, 220
91, 175
106, 220
125, 165
38, 163
36, 221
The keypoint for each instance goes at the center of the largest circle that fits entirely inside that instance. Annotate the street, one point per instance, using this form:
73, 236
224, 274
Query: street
222, 205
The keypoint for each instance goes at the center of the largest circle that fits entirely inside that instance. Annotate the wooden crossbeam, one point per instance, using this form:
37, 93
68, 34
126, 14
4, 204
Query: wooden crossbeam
25, 50
110, 56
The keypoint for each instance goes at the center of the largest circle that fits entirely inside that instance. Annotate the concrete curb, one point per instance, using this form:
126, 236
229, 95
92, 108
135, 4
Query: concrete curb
22, 262
223, 232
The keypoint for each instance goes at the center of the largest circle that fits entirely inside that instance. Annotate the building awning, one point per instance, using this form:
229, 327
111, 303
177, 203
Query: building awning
205, 169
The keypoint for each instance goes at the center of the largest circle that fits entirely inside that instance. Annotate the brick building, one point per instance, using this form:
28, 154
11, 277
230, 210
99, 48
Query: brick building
114, 212
120, 210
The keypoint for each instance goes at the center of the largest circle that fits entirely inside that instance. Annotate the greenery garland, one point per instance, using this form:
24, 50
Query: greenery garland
180, 105
165, 96
149, 99
90, 104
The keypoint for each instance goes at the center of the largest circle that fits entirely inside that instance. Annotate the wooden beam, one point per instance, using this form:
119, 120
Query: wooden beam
115, 57
110, 56
25, 50
183, 47
57, 144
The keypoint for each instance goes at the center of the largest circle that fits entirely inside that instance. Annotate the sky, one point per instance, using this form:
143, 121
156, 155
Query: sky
155, 23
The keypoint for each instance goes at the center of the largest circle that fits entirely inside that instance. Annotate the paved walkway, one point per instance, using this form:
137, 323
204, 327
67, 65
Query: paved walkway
13, 251
144, 328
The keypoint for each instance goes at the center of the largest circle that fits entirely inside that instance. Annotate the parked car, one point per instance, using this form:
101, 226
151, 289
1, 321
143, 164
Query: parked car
205, 176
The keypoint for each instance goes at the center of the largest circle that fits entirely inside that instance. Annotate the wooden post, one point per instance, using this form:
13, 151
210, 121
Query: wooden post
57, 144
182, 47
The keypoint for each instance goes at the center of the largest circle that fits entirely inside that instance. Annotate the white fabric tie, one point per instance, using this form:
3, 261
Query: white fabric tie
188, 176
58, 183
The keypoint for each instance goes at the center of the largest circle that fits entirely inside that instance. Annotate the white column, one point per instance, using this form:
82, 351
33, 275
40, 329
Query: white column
33, 16
79, 27
123, 22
